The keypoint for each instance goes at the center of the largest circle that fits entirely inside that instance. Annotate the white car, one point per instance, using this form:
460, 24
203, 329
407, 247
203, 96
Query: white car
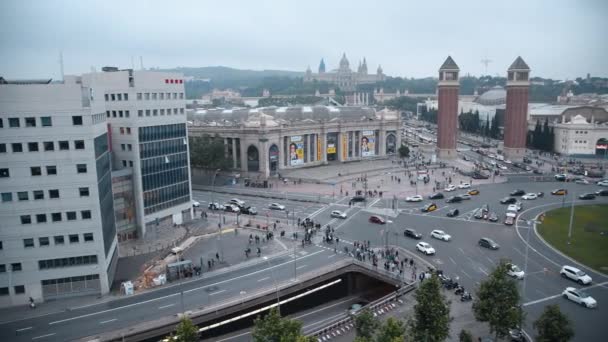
425, 248
530, 196
450, 187
515, 272
579, 297
237, 202
338, 214
581, 181
465, 196
502, 167
507, 161
464, 185
441, 235
603, 183
416, 198
196, 204
575, 274
276, 206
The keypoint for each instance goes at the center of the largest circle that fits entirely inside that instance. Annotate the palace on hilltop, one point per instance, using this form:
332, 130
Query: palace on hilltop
345, 78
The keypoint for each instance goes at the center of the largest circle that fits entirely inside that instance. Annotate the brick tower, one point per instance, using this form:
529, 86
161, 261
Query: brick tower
447, 118
516, 116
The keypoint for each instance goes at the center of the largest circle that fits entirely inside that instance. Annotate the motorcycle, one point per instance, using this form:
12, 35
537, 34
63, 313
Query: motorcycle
459, 290
466, 297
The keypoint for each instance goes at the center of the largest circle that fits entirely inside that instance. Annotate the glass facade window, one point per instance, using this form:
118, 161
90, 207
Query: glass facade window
104, 191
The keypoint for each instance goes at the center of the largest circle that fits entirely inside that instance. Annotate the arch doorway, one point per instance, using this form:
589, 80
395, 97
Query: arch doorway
601, 147
273, 159
391, 144
253, 159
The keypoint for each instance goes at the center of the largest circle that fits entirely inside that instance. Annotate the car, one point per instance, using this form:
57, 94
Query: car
514, 207
492, 217
276, 206
515, 272
355, 308
411, 233
441, 235
509, 220
529, 196
450, 188
507, 161
580, 297
540, 194
518, 192
537, 172
473, 192
425, 248
215, 206
464, 186
587, 196
429, 207
377, 219
358, 199
479, 214
338, 214
575, 274
416, 198
479, 175
196, 204
437, 195
502, 167
581, 181
602, 192
231, 208
453, 213
517, 335
561, 177
249, 211
465, 196
488, 243
559, 192
508, 200
603, 183
237, 202
454, 199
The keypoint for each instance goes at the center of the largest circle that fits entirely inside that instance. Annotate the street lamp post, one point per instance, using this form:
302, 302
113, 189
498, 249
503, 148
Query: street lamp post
571, 219
219, 225
276, 287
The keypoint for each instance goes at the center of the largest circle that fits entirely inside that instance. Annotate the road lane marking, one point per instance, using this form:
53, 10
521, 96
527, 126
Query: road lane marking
217, 292
297, 268
483, 271
43, 336
178, 293
466, 274
331, 256
259, 280
24, 329
165, 306
559, 295
452, 260
108, 321
461, 251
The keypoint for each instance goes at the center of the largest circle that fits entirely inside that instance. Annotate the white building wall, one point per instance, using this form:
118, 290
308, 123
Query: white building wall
60, 102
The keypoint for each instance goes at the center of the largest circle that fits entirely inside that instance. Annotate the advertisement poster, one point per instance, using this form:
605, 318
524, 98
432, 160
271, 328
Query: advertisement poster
368, 141
331, 148
296, 150
344, 147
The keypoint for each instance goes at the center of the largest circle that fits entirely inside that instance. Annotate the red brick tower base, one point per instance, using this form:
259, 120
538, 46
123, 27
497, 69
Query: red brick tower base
447, 122
516, 116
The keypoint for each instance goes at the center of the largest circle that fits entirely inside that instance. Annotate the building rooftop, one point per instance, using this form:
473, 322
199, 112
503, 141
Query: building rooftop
519, 64
449, 64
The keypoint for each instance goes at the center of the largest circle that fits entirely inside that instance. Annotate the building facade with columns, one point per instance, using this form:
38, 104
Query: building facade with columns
264, 141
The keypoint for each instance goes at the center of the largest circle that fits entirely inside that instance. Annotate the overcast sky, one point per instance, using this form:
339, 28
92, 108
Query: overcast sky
557, 38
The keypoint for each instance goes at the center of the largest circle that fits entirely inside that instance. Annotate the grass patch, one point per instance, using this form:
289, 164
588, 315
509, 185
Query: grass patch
589, 243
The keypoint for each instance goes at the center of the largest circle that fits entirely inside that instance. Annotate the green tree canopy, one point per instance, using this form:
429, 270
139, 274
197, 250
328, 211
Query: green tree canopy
465, 336
366, 324
207, 152
274, 328
404, 151
431, 321
185, 331
391, 330
553, 326
497, 302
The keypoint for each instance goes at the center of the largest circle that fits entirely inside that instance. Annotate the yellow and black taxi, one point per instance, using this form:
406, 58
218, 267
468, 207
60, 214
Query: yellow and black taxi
473, 192
559, 192
429, 207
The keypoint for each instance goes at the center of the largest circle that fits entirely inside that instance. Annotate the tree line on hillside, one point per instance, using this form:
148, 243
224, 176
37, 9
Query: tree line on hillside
497, 302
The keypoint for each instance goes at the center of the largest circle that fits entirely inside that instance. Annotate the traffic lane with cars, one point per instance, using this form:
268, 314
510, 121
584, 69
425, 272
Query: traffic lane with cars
295, 208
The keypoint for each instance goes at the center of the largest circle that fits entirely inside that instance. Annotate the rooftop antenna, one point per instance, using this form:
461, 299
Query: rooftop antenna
61, 65
141, 62
486, 62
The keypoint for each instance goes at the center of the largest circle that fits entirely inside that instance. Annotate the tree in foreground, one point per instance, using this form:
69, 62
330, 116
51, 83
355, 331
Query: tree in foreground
366, 325
391, 330
404, 151
553, 326
465, 336
431, 321
497, 302
274, 328
185, 331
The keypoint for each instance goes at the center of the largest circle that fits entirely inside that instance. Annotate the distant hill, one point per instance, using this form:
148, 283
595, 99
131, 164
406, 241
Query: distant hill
221, 74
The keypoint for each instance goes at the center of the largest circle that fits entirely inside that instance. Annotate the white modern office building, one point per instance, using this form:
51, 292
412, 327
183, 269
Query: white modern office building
146, 118
57, 228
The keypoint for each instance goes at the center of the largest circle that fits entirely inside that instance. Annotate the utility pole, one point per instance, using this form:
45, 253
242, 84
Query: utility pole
571, 218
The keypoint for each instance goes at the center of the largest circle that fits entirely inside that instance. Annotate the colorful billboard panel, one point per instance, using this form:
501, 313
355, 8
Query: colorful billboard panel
296, 150
368, 143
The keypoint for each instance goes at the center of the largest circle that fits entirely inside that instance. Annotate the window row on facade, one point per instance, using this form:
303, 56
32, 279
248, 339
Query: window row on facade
160, 148
161, 111
67, 262
35, 146
32, 121
165, 178
162, 132
118, 113
55, 217
59, 240
159, 197
117, 97
164, 163
39, 194
159, 96
51, 170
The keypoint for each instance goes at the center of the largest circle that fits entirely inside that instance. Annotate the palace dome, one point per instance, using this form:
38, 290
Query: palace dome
493, 97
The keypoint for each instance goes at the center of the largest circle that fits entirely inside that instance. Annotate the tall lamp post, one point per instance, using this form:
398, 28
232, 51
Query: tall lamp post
219, 225
276, 287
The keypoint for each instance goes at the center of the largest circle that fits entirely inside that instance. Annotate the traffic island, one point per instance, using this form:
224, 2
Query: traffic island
588, 241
